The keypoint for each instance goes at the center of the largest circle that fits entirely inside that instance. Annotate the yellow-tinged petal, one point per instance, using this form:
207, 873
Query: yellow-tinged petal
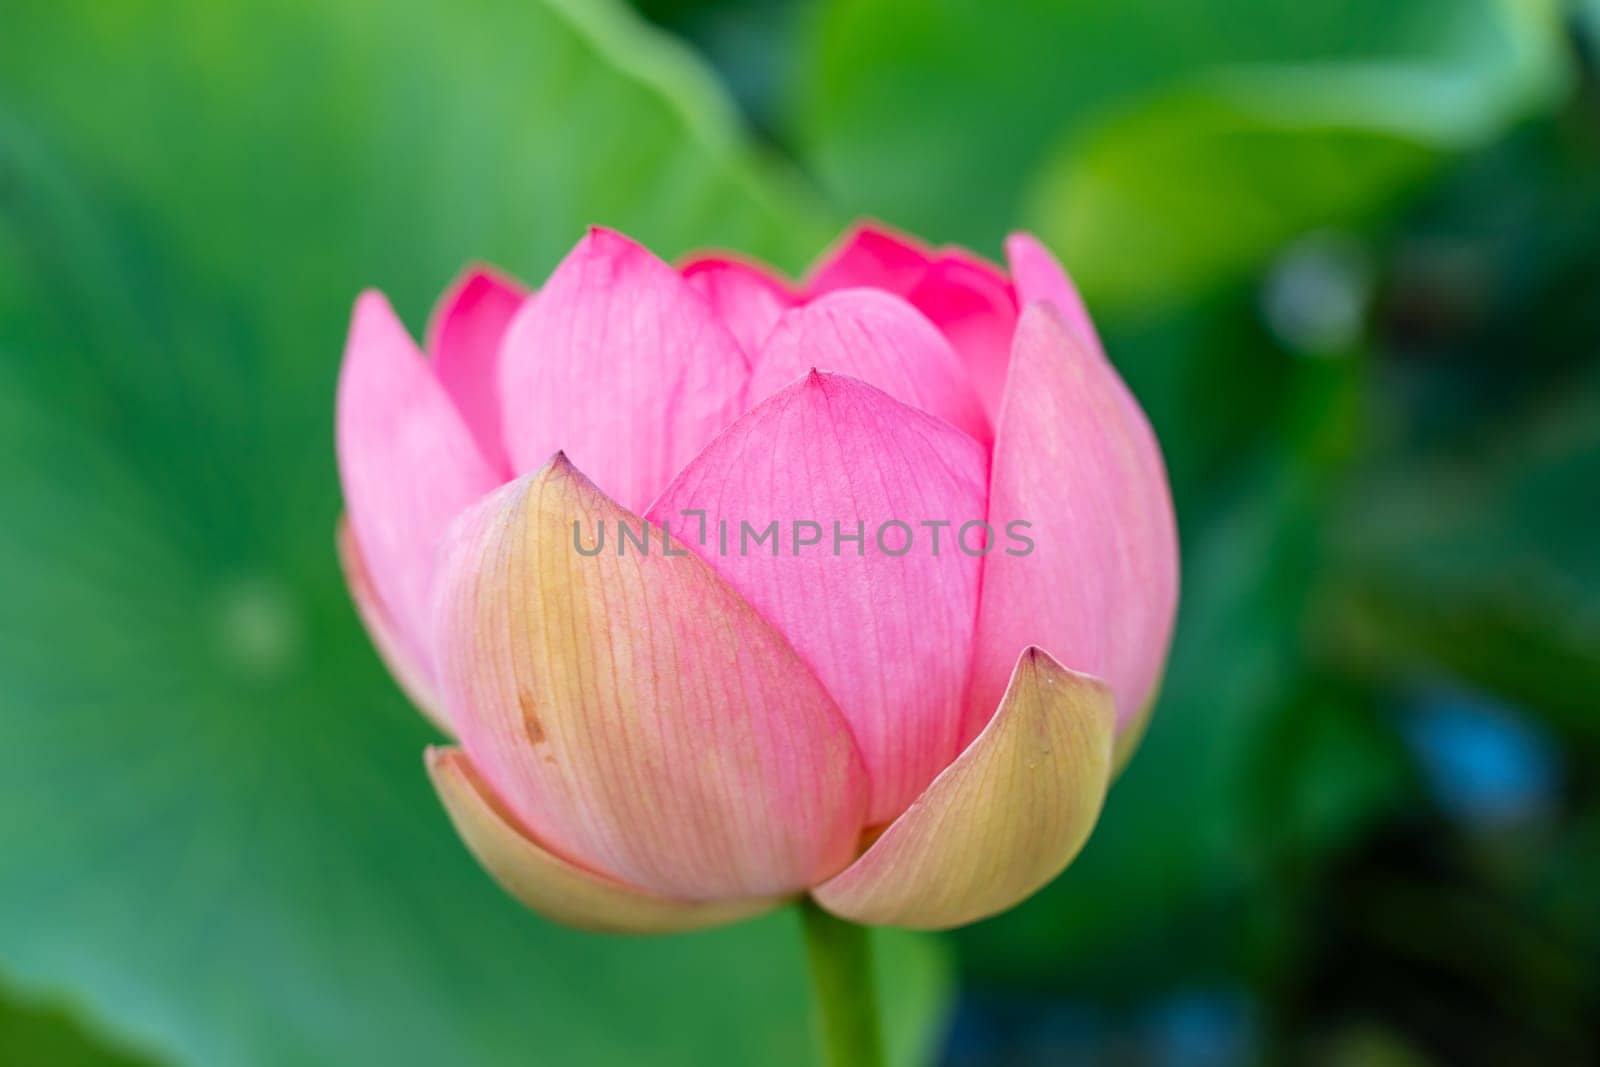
552, 886
403, 662
632, 709
1002, 820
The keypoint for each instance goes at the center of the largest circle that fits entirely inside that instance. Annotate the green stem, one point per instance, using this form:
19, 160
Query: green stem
846, 1005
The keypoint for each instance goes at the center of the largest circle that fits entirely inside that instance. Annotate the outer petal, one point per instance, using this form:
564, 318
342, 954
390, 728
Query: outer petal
746, 298
621, 365
407, 462
1037, 275
890, 635
1040, 277
879, 338
464, 337
552, 886
1076, 461
869, 256
413, 676
973, 305
1002, 820
633, 711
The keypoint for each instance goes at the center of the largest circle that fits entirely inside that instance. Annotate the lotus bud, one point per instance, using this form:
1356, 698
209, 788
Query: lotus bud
730, 589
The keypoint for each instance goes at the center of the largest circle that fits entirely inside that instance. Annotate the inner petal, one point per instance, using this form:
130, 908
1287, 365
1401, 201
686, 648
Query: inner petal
881, 339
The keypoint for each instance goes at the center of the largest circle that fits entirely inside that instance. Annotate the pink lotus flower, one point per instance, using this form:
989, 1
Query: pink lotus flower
918, 734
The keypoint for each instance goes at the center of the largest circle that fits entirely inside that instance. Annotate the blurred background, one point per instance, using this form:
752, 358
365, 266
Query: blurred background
1346, 253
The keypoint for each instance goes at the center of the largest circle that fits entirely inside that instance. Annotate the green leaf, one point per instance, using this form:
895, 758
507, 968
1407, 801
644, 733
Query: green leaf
939, 115
1477, 558
218, 838
48, 1034
1204, 180
1203, 183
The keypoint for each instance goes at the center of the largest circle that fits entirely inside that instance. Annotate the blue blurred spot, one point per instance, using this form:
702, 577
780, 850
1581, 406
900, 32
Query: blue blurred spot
1200, 1028
1189, 1028
1487, 764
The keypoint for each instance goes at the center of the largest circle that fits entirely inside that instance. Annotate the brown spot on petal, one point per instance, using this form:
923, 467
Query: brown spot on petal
870, 835
530, 718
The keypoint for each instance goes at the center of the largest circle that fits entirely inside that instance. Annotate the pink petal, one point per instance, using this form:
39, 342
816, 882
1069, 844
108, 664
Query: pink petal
869, 256
889, 635
620, 364
464, 337
413, 675
879, 338
1075, 458
635, 713
407, 462
1002, 820
1038, 275
746, 298
557, 888
973, 306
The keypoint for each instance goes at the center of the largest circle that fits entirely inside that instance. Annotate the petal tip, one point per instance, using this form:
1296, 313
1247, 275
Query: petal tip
1041, 664
873, 230
376, 335
867, 252
475, 282
602, 244
1022, 241
606, 239
371, 312
559, 467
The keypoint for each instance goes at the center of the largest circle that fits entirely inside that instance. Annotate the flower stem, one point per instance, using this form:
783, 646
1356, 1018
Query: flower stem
846, 1005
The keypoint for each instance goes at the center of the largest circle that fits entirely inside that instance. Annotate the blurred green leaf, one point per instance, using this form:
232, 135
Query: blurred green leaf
48, 1034
1477, 558
1208, 178
217, 834
1205, 182
939, 115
